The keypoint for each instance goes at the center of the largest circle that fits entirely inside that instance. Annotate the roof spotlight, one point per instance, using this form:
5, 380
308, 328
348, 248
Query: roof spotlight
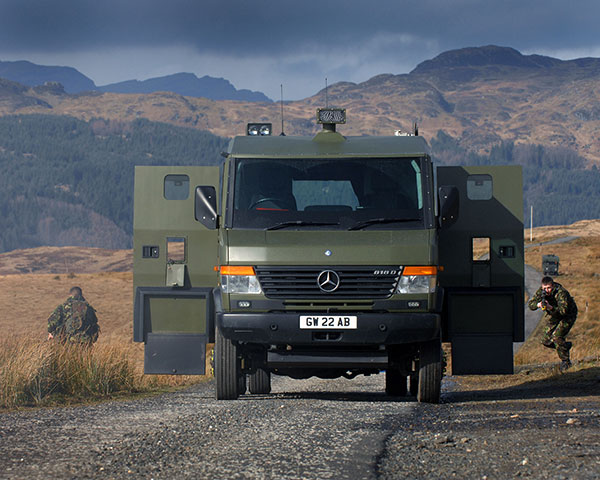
331, 115
259, 129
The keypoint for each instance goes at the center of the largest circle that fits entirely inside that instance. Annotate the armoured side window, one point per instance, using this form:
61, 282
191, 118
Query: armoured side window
177, 187
175, 249
481, 249
479, 187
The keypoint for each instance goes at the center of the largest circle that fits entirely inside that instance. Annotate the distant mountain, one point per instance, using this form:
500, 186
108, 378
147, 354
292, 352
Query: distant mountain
73, 81
189, 85
482, 56
32, 75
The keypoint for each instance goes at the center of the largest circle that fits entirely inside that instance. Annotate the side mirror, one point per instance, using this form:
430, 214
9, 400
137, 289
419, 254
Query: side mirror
205, 206
449, 204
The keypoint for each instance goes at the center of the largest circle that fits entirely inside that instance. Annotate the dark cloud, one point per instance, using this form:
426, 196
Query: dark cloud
298, 43
230, 26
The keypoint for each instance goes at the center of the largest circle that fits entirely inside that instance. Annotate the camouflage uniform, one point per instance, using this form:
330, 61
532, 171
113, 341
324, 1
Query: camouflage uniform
559, 319
74, 321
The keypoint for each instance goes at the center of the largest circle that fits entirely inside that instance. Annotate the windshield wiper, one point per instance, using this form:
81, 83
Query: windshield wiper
374, 221
298, 223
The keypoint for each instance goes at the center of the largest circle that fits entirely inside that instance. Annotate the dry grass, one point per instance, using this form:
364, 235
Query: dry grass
27, 300
583, 376
36, 373
580, 274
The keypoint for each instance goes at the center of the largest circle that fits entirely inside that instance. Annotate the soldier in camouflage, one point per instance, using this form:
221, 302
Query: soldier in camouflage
74, 321
560, 315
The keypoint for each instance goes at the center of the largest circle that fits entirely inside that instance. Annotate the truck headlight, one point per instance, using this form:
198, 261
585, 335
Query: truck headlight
417, 280
239, 279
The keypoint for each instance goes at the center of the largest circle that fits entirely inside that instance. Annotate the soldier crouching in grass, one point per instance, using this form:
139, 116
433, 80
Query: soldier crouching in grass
560, 315
74, 321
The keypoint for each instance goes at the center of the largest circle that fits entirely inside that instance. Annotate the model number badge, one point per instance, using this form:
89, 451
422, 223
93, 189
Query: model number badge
385, 272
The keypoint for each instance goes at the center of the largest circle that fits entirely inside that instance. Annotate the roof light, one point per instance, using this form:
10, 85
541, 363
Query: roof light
331, 115
259, 129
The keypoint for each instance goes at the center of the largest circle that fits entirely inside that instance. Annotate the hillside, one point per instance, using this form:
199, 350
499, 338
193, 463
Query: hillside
479, 96
69, 182
65, 260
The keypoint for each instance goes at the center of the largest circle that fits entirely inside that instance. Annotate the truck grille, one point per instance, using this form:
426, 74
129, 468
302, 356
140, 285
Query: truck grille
335, 282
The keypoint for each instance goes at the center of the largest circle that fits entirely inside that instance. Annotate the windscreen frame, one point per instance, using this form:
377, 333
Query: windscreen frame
424, 162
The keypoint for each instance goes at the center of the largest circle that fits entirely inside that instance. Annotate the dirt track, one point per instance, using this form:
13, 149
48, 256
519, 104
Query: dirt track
315, 429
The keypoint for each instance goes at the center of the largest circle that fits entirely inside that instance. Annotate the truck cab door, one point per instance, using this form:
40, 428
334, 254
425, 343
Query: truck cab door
482, 257
173, 267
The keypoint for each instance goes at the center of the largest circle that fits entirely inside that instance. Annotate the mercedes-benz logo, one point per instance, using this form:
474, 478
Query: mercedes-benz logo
328, 281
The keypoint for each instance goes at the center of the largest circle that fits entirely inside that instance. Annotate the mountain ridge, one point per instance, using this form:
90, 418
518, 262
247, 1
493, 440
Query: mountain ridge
74, 82
481, 96
187, 84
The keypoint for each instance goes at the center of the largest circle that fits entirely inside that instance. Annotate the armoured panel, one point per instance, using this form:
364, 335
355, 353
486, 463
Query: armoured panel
481, 313
177, 314
364, 247
491, 206
180, 354
168, 310
490, 214
164, 212
482, 354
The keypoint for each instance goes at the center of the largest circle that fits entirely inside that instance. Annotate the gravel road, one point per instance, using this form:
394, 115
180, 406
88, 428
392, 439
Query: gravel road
318, 429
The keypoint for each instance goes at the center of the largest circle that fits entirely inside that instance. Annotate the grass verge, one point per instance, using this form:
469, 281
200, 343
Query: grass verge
36, 373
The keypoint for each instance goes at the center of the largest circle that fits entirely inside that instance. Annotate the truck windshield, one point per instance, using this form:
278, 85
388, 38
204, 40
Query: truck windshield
338, 194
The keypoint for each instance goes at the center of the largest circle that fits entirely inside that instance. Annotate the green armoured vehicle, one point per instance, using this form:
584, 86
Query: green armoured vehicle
550, 264
328, 256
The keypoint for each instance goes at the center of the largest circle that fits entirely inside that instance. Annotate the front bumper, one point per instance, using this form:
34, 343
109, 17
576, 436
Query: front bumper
372, 329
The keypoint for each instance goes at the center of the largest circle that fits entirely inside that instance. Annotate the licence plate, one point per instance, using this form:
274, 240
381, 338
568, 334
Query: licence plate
346, 322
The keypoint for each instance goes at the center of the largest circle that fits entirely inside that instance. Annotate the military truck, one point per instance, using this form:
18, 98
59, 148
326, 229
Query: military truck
328, 256
550, 264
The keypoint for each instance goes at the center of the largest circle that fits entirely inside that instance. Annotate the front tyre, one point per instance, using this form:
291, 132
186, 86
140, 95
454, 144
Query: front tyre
227, 368
430, 372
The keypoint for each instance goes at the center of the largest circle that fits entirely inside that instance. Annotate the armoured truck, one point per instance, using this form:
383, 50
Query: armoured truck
328, 256
550, 264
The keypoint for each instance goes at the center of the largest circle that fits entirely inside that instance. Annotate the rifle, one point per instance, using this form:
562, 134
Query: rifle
546, 301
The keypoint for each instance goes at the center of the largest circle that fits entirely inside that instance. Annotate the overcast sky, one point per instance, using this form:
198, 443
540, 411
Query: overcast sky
261, 44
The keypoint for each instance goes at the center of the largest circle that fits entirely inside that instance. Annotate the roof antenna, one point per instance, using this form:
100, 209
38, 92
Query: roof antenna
326, 95
282, 134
